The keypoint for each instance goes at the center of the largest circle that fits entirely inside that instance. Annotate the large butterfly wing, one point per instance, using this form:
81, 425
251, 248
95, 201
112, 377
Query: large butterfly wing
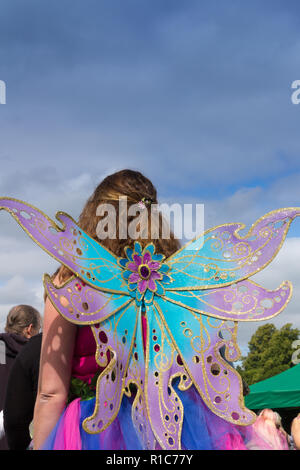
136, 374
220, 256
198, 340
113, 319
241, 301
116, 335
69, 245
163, 364
82, 304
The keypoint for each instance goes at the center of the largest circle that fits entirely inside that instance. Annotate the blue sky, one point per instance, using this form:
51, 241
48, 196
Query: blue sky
195, 94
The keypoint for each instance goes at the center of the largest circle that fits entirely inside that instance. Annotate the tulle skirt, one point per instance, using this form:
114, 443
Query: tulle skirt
201, 430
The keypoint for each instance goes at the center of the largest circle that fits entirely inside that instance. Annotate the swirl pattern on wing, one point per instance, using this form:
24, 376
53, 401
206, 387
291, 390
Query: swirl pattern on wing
198, 339
82, 304
221, 256
69, 245
243, 301
115, 335
163, 365
136, 375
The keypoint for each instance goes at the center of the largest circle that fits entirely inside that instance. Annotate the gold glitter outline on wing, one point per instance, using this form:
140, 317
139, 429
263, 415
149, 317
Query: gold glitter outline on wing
227, 366
209, 314
162, 403
79, 322
141, 390
147, 359
54, 225
241, 226
107, 370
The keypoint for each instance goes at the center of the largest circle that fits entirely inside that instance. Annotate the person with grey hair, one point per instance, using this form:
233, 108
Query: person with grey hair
22, 322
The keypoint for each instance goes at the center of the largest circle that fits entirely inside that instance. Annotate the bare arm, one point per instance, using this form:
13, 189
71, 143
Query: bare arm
55, 372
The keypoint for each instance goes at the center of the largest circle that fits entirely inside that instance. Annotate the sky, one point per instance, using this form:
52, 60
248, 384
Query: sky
195, 94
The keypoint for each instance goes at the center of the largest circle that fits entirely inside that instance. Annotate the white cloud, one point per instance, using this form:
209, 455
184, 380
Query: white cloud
17, 290
23, 257
284, 267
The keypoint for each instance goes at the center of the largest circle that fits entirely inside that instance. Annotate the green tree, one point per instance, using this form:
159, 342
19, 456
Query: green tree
270, 352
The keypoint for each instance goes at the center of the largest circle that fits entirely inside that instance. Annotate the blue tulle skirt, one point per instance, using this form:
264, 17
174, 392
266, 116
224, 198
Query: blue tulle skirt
201, 430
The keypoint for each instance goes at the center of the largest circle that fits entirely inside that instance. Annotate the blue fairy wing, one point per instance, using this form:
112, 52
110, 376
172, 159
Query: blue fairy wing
198, 340
220, 256
69, 245
163, 364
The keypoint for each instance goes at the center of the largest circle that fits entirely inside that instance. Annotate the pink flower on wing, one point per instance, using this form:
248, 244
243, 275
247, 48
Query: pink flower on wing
144, 272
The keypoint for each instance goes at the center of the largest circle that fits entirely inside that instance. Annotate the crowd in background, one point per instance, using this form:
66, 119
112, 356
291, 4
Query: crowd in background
19, 368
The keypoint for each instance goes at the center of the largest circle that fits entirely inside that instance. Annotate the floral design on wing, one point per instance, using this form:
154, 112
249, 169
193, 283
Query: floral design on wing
144, 272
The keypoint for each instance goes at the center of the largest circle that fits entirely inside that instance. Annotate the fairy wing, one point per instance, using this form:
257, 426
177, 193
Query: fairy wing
208, 290
163, 364
189, 304
198, 339
190, 324
241, 301
220, 256
116, 335
81, 304
69, 245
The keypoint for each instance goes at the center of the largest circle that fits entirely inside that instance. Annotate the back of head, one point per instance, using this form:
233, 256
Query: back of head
21, 317
132, 187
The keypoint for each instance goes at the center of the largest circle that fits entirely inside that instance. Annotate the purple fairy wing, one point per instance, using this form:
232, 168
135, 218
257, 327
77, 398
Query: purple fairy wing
198, 339
82, 304
69, 245
220, 256
243, 301
116, 335
113, 319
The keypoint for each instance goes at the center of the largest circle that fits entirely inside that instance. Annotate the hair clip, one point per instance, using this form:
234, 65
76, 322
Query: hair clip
144, 202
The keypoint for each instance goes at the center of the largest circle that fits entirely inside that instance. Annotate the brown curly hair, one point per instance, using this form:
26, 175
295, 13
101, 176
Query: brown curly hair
136, 187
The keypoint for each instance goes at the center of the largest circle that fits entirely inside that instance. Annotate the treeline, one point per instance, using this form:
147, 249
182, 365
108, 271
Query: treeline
270, 353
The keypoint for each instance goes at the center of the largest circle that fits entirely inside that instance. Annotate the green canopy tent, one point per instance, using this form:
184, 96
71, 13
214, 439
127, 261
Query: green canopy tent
279, 391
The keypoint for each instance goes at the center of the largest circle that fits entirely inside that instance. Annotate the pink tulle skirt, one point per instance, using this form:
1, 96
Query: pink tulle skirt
202, 430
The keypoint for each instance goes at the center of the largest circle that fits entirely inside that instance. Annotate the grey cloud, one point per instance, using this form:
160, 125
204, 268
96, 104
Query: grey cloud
195, 89
194, 94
